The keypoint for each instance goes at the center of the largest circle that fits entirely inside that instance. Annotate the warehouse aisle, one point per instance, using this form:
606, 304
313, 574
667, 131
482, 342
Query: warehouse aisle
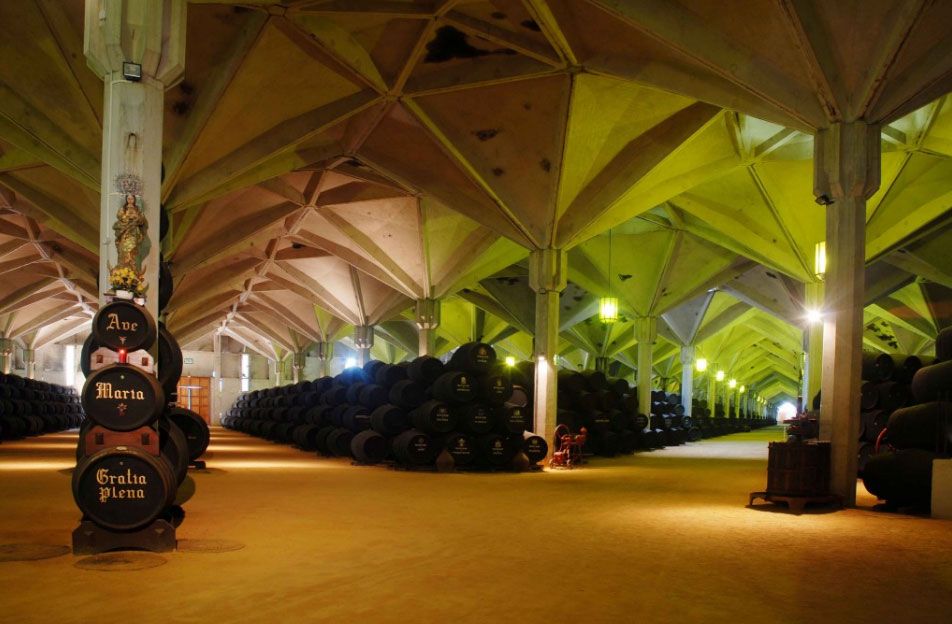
654, 537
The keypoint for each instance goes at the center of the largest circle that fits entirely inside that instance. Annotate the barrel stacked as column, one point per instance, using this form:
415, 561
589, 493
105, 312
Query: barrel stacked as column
131, 459
29, 407
467, 414
915, 435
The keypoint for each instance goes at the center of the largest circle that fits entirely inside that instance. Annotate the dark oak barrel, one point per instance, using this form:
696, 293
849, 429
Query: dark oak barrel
497, 449
407, 394
903, 478
170, 362
476, 418
194, 427
389, 420
877, 366
513, 419
122, 397
494, 389
461, 448
534, 446
473, 357
434, 416
455, 387
414, 448
123, 488
943, 345
927, 426
934, 382
124, 325
369, 447
338, 442
425, 369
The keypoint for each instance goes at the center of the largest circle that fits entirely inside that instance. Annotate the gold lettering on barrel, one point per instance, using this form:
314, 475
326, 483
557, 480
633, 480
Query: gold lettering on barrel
104, 390
117, 325
117, 486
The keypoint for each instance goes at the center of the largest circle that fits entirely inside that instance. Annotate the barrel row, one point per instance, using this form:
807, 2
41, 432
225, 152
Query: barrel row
30, 407
467, 413
608, 409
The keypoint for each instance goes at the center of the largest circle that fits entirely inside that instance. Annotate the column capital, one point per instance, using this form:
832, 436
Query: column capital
846, 161
687, 355
548, 270
428, 313
363, 336
150, 33
646, 329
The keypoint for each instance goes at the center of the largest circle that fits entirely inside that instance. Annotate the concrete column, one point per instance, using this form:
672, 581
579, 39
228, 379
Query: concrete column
813, 349
687, 378
646, 332
846, 174
297, 365
7, 353
122, 38
548, 270
276, 372
325, 352
427, 320
712, 387
601, 364
363, 340
29, 360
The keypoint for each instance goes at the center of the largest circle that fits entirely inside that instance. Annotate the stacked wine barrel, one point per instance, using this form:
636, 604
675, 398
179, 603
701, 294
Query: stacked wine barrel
29, 407
131, 456
466, 414
884, 390
712, 425
915, 434
608, 409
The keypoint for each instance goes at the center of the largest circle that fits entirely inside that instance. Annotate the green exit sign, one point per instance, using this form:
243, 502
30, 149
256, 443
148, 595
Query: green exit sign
189, 360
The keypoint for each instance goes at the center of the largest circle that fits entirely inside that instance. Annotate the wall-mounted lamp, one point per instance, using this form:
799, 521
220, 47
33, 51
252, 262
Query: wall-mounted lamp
701, 365
510, 361
719, 376
732, 383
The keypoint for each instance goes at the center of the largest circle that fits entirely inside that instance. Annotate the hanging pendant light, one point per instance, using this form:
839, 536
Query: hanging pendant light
608, 306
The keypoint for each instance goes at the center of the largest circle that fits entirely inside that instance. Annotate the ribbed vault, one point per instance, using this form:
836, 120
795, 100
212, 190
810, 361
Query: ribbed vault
329, 162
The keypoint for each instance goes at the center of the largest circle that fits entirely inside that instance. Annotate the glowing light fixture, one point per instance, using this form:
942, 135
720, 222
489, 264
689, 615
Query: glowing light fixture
732, 383
510, 361
608, 309
742, 389
701, 365
608, 306
814, 316
350, 362
819, 259
719, 376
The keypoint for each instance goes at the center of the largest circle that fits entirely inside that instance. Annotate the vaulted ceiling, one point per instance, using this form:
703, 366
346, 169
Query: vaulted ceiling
330, 161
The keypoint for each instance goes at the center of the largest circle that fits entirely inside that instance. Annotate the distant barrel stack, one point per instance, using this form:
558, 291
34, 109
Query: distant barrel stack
29, 407
471, 413
608, 409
